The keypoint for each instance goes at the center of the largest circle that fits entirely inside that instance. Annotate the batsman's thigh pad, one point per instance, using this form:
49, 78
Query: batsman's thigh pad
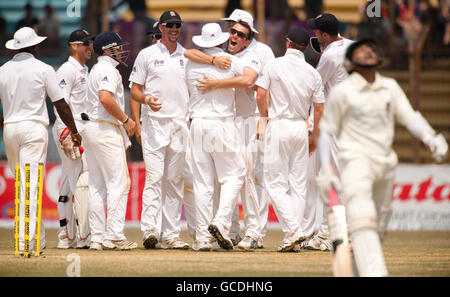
361, 211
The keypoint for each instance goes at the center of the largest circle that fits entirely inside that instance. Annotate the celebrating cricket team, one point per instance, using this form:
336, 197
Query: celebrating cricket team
223, 123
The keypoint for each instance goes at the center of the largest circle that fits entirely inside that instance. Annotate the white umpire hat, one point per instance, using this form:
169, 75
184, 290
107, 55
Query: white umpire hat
212, 36
23, 38
241, 15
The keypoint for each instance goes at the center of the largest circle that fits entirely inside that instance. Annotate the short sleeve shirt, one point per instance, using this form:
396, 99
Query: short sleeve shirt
162, 75
24, 84
293, 85
105, 76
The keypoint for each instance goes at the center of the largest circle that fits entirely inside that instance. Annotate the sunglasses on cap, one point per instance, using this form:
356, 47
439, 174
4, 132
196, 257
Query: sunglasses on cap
170, 25
156, 36
86, 42
239, 33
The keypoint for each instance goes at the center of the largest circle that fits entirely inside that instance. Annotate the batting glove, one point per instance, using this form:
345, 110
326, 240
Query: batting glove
327, 181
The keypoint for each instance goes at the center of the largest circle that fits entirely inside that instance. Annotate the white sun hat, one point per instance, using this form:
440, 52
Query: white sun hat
241, 15
24, 37
212, 36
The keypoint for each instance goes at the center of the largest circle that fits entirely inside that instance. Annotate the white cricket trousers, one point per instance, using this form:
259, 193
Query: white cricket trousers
367, 192
249, 197
164, 158
285, 168
215, 153
26, 142
109, 180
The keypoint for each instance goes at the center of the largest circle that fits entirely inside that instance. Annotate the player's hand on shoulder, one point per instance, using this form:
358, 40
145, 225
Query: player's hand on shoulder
222, 62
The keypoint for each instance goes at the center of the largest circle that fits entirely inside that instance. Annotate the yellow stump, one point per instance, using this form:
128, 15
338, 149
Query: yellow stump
26, 251
39, 210
17, 211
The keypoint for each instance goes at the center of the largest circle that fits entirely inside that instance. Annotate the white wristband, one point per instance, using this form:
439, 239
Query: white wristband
147, 99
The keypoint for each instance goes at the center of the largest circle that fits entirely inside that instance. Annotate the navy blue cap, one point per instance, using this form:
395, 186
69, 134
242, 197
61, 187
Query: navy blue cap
325, 22
299, 35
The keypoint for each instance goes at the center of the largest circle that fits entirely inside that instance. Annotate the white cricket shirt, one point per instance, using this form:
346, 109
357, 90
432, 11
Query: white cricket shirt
331, 64
73, 81
220, 102
362, 115
24, 84
293, 85
163, 75
104, 76
263, 51
245, 97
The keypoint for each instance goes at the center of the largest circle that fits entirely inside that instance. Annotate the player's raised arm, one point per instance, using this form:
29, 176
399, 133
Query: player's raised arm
197, 56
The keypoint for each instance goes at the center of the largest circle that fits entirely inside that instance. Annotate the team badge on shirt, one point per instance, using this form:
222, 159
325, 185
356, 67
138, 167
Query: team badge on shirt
134, 69
62, 83
83, 80
181, 63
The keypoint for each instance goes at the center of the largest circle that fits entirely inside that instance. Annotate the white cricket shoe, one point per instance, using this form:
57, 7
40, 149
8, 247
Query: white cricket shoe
291, 241
318, 243
260, 243
84, 244
174, 243
221, 236
248, 244
64, 242
118, 244
96, 246
203, 246
150, 239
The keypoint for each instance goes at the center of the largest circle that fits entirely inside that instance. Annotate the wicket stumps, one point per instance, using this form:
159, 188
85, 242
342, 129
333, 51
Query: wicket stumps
27, 185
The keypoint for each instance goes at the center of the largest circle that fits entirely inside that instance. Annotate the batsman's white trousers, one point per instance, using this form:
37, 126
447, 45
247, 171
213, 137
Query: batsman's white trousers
285, 168
26, 142
367, 193
215, 153
164, 143
249, 196
109, 180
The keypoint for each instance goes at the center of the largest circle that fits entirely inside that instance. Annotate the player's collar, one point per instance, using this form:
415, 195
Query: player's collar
360, 82
108, 59
294, 52
76, 63
23, 56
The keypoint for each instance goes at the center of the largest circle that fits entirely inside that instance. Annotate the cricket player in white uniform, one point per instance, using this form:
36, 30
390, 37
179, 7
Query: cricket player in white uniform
24, 84
158, 81
106, 139
241, 33
332, 71
361, 112
215, 143
72, 79
255, 54
293, 85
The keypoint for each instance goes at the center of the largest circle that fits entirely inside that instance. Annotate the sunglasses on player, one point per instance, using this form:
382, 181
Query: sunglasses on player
155, 36
239, 33
86, 42
170, 25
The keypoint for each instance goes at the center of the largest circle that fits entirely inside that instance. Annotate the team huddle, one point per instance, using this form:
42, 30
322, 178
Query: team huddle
218, 124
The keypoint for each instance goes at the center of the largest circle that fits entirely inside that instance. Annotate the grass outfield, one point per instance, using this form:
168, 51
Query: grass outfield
410, 254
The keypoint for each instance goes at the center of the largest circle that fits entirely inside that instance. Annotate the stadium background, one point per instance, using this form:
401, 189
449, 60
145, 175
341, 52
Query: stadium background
417, 54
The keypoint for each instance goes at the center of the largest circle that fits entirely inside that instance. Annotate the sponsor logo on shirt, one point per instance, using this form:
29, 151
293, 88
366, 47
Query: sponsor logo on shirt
105, 78
181, 63
134, 69
83, 80
158, 63
255, 62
